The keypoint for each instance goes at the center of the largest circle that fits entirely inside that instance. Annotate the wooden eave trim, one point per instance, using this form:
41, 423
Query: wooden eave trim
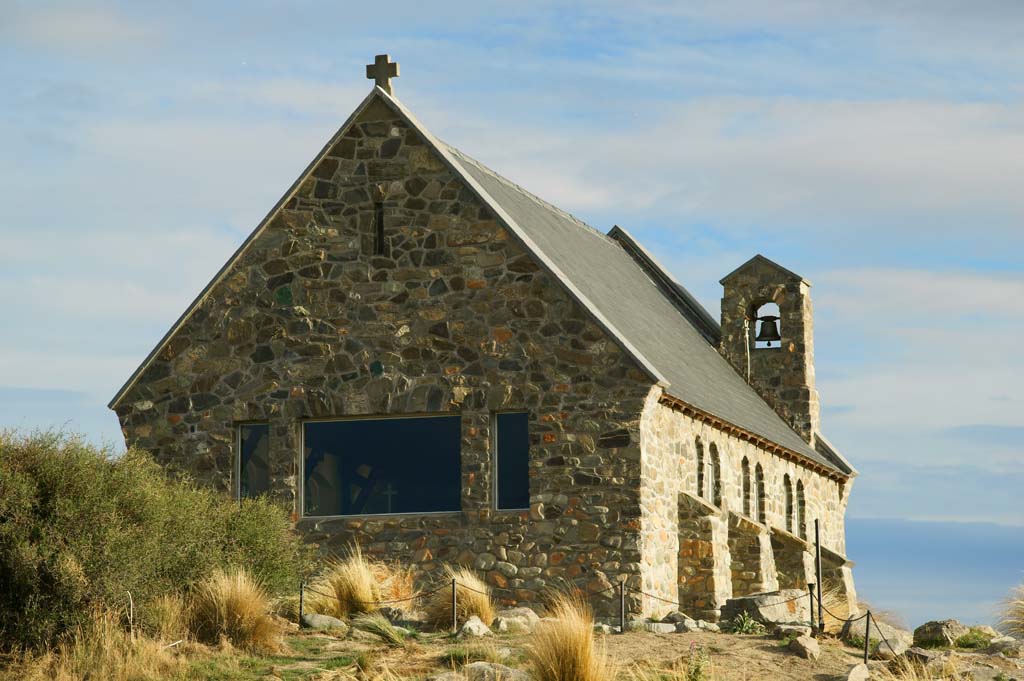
741, 433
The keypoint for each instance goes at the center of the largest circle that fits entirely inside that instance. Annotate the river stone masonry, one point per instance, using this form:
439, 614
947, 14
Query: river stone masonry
456, 313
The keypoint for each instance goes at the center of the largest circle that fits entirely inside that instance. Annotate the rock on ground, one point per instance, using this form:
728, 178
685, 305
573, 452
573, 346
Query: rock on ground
858, 672
806, 647
474, 628
675, 617
787, 606
446, 676
322, 622
939, 633
784, 630
515, 620
1007, 645
660, 627
687, 626
492, 671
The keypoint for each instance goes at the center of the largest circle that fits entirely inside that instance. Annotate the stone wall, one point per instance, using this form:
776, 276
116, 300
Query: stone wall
455, 317
691, 539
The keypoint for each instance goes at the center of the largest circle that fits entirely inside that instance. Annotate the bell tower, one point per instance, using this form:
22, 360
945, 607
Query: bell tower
768, 337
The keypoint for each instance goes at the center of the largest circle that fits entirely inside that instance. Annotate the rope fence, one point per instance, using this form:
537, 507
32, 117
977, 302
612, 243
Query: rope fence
622, 588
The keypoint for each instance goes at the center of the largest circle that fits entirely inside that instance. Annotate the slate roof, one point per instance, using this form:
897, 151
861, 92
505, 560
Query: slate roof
616, 284
653, 317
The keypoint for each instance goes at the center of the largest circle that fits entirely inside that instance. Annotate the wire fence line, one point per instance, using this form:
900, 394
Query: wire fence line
622, 588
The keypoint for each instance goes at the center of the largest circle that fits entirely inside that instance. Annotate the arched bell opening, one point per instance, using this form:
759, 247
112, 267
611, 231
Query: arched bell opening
767, 333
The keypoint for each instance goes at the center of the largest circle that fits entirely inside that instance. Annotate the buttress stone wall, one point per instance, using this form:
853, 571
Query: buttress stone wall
686, 537
454, 317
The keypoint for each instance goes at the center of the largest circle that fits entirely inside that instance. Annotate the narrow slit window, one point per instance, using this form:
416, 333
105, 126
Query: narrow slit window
253, 459
379, 243
367, 466
512, 460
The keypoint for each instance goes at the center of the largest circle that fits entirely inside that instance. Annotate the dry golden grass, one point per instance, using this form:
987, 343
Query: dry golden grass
1012, 620
902, 669
234, 607
837, 607
355, 584
473, 597
564, 649
165, 618
100, 650
696, 666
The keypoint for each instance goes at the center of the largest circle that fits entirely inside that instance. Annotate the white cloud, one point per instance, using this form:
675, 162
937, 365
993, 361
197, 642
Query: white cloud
78, 28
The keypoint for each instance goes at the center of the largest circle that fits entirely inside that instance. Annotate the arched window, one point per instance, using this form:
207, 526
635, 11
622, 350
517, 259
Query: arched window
745, 466
759, 500
801, 511
766, 327
700, 468
787, 485
714, 476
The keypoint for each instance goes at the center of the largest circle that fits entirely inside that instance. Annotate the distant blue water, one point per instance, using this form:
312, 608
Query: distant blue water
925, 571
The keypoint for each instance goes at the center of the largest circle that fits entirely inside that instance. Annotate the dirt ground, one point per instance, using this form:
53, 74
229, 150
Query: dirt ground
319, 657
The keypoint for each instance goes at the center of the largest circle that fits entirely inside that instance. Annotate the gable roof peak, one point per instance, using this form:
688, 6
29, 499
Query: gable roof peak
761, 260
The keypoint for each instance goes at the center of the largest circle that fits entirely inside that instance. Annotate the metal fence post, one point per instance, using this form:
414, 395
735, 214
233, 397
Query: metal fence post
455, 611
810, 597
622, 607
867, 634
817, 562
302, 597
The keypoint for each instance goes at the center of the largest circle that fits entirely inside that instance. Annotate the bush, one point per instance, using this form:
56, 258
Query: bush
975, 638
743, 623
80, 528
473, 597
234, 607
98, 649
563, 649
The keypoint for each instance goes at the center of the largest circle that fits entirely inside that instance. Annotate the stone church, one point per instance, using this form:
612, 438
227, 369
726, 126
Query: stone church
413, 353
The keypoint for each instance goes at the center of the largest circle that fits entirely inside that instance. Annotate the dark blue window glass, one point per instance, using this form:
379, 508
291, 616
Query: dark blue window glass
513, 460
383, 465
253, 459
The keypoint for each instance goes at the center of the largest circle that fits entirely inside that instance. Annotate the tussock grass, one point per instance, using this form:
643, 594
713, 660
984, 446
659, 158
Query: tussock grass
100, 649
233, 607
1012, 620
355, 584
836, 603
379, 626
473, 597
165, 618
474, 652
564, 649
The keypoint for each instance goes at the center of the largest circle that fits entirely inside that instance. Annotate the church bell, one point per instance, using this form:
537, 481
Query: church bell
769, 331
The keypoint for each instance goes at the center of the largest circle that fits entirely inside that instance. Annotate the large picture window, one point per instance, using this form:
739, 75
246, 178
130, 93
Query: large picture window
382, 465
512, 445
253, 459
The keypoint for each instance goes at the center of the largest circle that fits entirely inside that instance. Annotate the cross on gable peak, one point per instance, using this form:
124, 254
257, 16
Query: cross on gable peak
382, 70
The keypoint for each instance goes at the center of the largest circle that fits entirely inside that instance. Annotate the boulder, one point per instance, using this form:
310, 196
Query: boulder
858, 672
708, 626
660, 627
515, 620
600, 628
938, 633
687, 626
788, 606
922, 656
446, 676
492, 671
806, 647
474, 628
890, 648
323, 622
1007, 645
791, 630
675, 617
899, 639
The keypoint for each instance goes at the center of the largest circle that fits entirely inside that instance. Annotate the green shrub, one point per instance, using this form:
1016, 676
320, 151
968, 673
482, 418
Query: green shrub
975, 638
743, 623
80, 528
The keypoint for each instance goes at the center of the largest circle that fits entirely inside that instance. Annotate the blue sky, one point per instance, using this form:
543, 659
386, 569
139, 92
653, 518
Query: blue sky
875, 148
